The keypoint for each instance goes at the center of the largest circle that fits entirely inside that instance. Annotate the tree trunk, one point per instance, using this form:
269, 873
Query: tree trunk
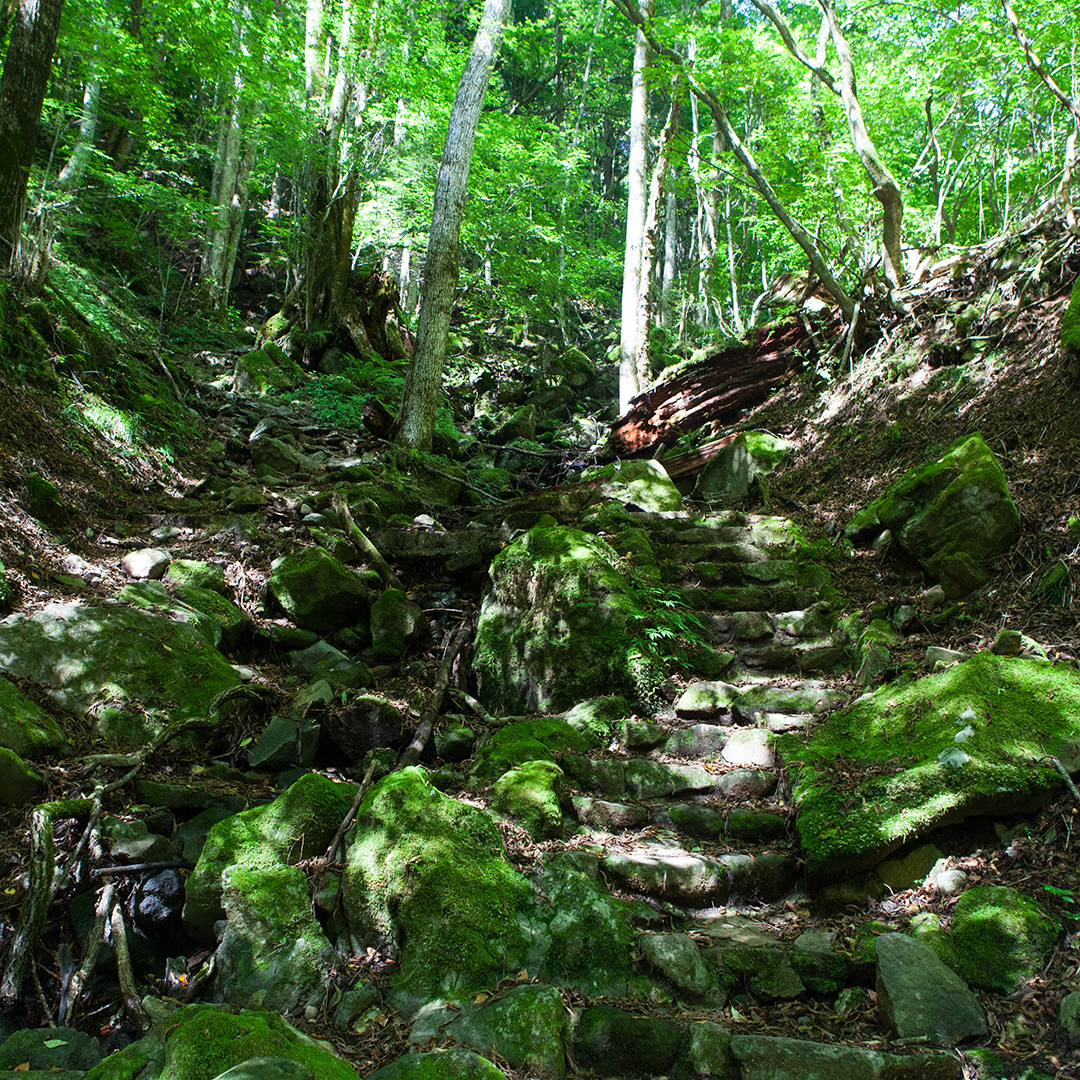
649, 236
886, 189
416, 420
630, 382
22, 91
72, 173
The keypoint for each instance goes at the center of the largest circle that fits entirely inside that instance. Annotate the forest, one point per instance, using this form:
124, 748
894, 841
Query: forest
539, 538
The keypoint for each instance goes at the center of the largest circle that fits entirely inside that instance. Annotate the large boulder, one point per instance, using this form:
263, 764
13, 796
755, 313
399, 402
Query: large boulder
952, 515
728, 477
639, 484
130, 672
25, 728
562, 623
318, 593
427, 878
200, 1042
298, 824
903, 761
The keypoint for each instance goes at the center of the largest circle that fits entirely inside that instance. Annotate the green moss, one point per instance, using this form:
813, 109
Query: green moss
948, 743
427, 876
452, 1064
43, 500
203, 1042
125, 1064
563, 625
528, 740
530, 795
1000, 937
298, 824
1070, 323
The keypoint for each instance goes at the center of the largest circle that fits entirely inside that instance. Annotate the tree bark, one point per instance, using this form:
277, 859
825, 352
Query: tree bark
886, 189
630, 381
649, 237
416, 419
22, 90
72, 173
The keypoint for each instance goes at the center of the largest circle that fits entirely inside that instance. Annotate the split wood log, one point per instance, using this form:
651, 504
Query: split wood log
718, 388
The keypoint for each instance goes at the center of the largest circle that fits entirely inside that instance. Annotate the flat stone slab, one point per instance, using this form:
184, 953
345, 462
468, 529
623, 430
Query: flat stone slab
696, 742
684, 877
703, 700
765, 1057
919, 997
789, 699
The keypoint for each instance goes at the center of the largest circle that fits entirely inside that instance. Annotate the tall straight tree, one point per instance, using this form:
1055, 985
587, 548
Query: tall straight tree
415, 425
22, 91
631, 382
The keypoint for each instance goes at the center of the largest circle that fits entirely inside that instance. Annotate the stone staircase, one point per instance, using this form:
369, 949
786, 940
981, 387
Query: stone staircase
689, 807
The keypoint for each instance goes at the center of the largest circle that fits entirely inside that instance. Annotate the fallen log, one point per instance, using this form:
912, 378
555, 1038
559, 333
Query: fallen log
718, 388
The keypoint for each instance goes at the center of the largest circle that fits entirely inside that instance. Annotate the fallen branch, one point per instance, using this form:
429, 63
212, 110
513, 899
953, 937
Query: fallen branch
126, 972
1064, 776
94, 940
411, 754
367, 548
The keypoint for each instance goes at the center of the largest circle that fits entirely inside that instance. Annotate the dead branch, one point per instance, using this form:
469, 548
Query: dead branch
367, 548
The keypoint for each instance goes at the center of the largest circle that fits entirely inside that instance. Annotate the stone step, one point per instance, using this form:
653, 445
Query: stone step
686, 878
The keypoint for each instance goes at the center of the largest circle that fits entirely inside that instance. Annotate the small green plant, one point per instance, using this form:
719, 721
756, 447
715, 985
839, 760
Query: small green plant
1067, 896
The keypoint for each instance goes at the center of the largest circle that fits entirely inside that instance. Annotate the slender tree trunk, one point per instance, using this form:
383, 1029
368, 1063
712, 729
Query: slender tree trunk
736, 314
22, 90
630, 382
72, 173
416, 421
214, 284
649, 237
886, 189
671, 255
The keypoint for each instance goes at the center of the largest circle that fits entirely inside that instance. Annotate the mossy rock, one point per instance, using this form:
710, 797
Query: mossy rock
618, 1043
531, 796
561, 624
43, 501
298, 824
317, 592
452, 1064
638, 484
203, 1041
1000, 937
1070, 333
903, 761
129, 672
542, 739
202, 575
25, 728
578, 934
427, 877
269, 907
264, 370
956, 506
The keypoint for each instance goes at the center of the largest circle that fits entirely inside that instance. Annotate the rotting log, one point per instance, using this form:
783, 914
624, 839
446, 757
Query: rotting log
717, 388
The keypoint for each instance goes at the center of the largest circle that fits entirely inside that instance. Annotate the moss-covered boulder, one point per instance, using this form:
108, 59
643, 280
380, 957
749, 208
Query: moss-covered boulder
129, 672
1000, 938
317, 592
903, 761
43, 501
273, 954
562, 623
199, 1042
452, 1064
427, 878
526, 1027
202, 575
1070, 333
578, 934
531, 796
298, 824
952, 515
613, 1042
222, 623
728, 477
638, 484
396, 621
542, 739
25, 727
